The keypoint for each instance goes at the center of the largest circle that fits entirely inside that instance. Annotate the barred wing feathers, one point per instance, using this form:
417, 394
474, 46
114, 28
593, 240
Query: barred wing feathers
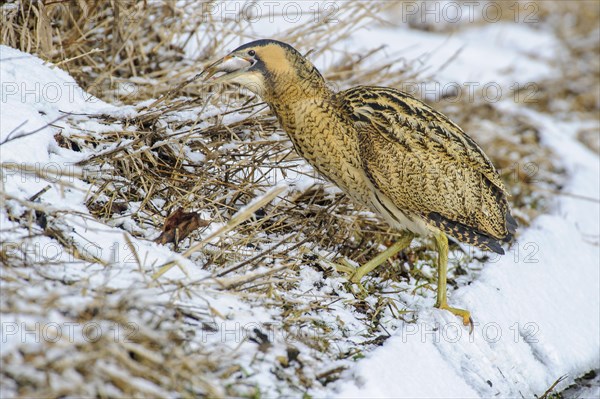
428, 166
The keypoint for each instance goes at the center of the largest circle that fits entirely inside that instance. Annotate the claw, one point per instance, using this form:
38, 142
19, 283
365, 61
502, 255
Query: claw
464, 314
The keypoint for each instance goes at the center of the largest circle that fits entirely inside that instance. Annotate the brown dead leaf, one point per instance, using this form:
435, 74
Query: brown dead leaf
179, 225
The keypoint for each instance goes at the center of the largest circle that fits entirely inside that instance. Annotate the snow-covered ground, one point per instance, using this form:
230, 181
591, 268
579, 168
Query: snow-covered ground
537, 309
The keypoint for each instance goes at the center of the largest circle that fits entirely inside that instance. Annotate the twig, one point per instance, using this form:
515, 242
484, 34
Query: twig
551, 389
173, 91
22, 135
39, 193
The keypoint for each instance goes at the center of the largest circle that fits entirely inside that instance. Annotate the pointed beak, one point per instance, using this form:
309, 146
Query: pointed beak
231, 66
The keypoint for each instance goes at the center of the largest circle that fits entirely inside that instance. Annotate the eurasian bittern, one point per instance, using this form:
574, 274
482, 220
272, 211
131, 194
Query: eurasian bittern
387, 150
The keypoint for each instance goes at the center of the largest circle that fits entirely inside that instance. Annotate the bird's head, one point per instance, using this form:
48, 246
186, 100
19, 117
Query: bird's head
265, 67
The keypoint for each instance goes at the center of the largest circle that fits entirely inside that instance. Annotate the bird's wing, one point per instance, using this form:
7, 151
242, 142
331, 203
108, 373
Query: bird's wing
426, 164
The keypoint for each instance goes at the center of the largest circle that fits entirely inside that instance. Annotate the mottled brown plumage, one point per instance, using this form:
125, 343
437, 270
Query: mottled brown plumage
428, 166
386, 149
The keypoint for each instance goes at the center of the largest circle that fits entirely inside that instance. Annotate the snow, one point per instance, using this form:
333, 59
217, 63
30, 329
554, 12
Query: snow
399, 369
537, 309
479, 55
525, 308
37, 94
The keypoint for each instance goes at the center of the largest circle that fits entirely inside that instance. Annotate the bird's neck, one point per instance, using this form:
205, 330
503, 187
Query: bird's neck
290, 95
297, 85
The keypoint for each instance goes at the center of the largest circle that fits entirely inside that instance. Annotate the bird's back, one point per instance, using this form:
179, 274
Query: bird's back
424, 164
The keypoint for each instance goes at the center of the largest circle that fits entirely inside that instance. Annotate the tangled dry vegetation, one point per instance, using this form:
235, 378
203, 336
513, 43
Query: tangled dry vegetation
172, 167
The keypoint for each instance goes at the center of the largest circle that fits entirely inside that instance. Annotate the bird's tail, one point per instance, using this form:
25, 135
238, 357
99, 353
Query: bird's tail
471, 236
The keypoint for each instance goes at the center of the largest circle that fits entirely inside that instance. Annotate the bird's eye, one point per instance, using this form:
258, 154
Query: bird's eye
251, 53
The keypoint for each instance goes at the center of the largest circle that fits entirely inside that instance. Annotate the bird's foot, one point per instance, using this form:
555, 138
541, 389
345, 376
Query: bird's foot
462, 313
347, 268
352, 272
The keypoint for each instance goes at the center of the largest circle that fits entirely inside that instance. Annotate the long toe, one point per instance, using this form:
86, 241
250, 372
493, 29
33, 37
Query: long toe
465, 315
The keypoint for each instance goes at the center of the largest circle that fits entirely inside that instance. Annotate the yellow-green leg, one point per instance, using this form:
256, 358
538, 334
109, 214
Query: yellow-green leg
371, 265
441, 243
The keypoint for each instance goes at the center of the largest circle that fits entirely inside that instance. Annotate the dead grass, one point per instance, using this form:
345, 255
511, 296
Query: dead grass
154, 359
209, 152
576, 93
